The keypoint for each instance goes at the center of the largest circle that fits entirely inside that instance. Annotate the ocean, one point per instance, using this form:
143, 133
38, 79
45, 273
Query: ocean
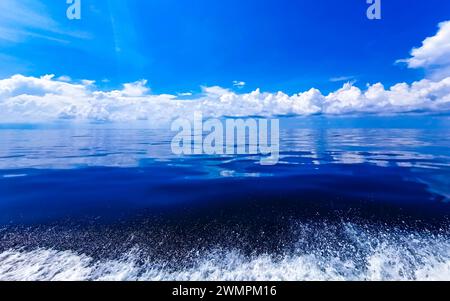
345, 202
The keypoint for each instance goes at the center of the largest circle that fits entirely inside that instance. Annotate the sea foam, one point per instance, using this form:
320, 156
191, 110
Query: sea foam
390, 256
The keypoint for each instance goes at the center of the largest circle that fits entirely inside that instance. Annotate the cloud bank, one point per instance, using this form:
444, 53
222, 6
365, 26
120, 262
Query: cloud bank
45, 99
30, 99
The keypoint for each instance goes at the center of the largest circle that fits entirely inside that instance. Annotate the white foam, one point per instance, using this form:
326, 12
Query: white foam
358, 253
427, 258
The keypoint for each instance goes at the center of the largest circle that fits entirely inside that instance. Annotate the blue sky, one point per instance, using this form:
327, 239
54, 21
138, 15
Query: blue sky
179, 46
153, 61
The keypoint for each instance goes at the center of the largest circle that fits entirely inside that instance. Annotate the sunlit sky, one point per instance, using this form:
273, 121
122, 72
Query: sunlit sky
179, 46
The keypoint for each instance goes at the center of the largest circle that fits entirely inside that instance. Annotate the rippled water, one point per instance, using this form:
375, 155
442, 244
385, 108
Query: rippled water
343, 203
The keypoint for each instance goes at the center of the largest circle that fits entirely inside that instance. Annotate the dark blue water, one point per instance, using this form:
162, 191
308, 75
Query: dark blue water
343, 203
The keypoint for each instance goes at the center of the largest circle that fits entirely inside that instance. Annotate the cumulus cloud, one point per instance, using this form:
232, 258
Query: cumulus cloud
31, 99
45, 99
434, 54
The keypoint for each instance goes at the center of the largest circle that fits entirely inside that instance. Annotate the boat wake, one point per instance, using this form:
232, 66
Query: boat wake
359, 254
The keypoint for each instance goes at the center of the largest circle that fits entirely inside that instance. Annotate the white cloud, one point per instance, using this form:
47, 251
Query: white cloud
215, 91
46, 99
135, 89
342, 79
64, 78
239, 84
434, 54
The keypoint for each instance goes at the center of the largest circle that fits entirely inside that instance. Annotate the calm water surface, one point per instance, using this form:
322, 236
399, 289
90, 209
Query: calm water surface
343, 203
